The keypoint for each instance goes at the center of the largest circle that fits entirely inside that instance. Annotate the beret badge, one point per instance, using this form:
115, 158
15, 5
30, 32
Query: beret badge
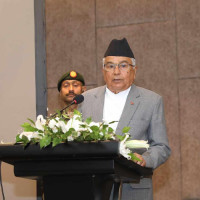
73, 74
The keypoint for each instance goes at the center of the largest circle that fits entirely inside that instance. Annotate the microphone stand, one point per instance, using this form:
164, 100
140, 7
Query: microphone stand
77, 99
73, 102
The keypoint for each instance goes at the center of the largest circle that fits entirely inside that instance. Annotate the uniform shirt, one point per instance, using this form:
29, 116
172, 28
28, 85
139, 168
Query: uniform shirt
113, 106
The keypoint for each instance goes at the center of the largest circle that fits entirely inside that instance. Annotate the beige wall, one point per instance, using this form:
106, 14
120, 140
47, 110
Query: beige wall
17, 84
165, 38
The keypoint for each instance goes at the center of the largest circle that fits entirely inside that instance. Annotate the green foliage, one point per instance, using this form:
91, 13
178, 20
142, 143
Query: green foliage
88, 120
23, 140
61, 128
76, 112
120, 137
112, 122
56, 141
32, 122
58, 113
18, 139
65, 116
134, 157
28, 127
45, 141
126, 129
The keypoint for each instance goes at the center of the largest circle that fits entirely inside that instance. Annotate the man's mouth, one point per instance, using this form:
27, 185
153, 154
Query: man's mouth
71, 95
116, 80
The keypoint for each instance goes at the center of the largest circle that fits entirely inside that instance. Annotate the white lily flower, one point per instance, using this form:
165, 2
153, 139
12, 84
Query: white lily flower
75, 117
101, 133
79, 126
38, 135
54, 129
123, 150
136, 144
30, 135
70, 138
27, 134
52, 123
94, 124
78, 134
113, 137
73, 123
40, 122
63, 126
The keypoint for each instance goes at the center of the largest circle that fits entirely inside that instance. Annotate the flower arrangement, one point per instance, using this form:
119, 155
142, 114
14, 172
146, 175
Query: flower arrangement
63, 128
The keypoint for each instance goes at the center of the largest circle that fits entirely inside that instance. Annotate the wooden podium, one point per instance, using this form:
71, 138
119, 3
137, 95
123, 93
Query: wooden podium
73, 170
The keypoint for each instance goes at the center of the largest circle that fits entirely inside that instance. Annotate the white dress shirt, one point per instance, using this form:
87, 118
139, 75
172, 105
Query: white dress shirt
113, 106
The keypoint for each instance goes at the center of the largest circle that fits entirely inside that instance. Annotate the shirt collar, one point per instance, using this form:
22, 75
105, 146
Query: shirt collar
122, 93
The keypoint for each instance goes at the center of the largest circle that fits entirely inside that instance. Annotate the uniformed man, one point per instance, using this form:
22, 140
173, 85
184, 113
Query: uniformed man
69, 85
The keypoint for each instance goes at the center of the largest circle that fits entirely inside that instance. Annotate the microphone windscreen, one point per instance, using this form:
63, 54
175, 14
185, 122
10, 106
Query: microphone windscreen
78, 99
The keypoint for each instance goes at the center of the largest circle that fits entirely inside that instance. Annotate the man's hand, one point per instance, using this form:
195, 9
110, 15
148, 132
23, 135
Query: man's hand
142, 162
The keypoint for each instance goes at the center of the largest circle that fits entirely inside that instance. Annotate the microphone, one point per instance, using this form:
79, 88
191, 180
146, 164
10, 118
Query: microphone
76, 100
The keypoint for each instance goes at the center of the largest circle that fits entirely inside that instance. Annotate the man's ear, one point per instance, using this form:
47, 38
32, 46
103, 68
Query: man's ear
83, 89
136, 67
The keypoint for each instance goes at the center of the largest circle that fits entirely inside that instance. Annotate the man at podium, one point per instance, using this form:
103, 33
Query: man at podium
141, 109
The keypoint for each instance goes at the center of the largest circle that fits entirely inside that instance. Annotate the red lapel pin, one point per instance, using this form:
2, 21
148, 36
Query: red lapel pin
132, 103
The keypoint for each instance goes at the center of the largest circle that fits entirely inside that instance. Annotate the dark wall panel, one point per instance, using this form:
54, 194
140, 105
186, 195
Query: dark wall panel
70, 39
190, 136
188, 35
123, 12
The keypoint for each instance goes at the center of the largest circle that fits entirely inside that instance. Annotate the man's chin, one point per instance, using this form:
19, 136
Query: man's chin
118, 88
69, 99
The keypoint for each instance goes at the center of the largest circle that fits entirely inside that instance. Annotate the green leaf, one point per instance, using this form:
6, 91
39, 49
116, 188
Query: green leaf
110, 130
120, 137
65, 116
58, 113
64, 136
31, 121
112, 122
88, 120
83, 126
104, 129
56, 141
26, 124
76, 112
28, 128
35, 140
107, 136
71, 129
45, 141
134, 158
24, 140
47, 129
85, 134
126, 129
78, 118
94, 128
18, 139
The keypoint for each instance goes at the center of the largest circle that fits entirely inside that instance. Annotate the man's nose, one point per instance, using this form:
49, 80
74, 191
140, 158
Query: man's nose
116, 70
71, 88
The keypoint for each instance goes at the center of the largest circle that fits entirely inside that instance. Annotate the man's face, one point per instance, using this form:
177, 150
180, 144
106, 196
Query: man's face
69, 89
119, 80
